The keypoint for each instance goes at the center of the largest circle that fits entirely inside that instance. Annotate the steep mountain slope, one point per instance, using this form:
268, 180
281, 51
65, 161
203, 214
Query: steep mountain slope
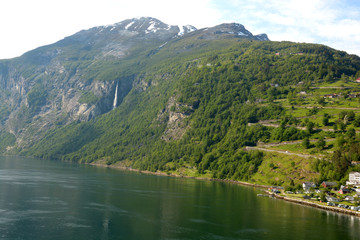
184, 97
75, 78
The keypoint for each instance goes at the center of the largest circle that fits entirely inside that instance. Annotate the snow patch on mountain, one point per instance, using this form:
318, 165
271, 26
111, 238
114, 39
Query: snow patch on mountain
152, 28
242, 34
186, 29
161, 46
129, 25
262, 37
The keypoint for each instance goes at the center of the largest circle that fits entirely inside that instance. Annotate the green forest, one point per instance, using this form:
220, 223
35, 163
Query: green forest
206, 101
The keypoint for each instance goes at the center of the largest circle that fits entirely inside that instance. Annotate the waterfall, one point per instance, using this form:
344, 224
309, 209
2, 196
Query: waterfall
115, 97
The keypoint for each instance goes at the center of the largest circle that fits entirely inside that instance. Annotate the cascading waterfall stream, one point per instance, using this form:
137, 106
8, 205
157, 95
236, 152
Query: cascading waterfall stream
115, 97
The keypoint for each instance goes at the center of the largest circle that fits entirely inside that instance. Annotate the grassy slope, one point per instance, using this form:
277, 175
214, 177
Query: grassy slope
284, 169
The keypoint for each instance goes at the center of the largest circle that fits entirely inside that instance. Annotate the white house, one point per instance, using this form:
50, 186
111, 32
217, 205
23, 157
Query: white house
354, 178
349, 198
308, 185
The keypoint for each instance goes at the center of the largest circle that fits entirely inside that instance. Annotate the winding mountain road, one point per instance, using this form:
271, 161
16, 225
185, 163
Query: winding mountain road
283, 152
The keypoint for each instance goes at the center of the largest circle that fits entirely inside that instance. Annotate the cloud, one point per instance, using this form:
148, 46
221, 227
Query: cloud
327, 22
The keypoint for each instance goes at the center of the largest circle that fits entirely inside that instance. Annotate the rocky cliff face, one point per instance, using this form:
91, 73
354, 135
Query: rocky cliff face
36, 97
75, 79
36, 105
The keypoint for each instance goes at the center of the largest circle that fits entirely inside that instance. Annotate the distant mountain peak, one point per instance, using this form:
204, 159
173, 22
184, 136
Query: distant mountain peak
143, 28
230, 30
262, 37
186, 29
143, 24
152, 25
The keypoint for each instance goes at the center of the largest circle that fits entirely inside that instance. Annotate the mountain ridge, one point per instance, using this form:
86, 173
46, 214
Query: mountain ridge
144, 28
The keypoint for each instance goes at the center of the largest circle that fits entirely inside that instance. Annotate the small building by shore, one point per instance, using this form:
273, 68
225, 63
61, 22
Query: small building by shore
354, 178
326, 184
308, 185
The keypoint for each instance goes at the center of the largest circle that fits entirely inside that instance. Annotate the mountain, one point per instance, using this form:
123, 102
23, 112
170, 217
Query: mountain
230, 31
147, 95
75, 78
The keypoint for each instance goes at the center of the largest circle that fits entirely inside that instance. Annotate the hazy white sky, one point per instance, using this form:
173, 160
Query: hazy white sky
27, 24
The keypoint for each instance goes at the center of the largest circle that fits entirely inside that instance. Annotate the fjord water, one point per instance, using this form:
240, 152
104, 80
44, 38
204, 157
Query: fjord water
42, 199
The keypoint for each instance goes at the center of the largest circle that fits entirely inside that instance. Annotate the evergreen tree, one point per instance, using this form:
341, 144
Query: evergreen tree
325, 120
321, 143
306, 143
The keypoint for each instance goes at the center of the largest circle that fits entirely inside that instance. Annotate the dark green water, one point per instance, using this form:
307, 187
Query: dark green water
51, 200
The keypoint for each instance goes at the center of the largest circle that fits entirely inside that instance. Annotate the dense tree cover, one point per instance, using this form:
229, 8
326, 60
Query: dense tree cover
36, 97
221, 91
340, 164
6, 139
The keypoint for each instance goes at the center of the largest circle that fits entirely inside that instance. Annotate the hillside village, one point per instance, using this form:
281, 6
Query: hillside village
343, 197
330, 112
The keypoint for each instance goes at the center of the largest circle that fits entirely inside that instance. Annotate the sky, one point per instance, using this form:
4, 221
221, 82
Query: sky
28, 24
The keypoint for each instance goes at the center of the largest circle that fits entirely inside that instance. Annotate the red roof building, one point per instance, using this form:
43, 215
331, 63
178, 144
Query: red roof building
344, 191
328, 184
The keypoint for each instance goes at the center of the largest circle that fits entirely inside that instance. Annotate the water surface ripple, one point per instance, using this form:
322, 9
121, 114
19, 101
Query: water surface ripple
52, 200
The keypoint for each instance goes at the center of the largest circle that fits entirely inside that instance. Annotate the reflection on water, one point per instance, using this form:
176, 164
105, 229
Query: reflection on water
52, 200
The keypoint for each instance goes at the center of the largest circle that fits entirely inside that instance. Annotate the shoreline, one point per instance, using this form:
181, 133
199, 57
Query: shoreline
285, 198
317, 205
159, 173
